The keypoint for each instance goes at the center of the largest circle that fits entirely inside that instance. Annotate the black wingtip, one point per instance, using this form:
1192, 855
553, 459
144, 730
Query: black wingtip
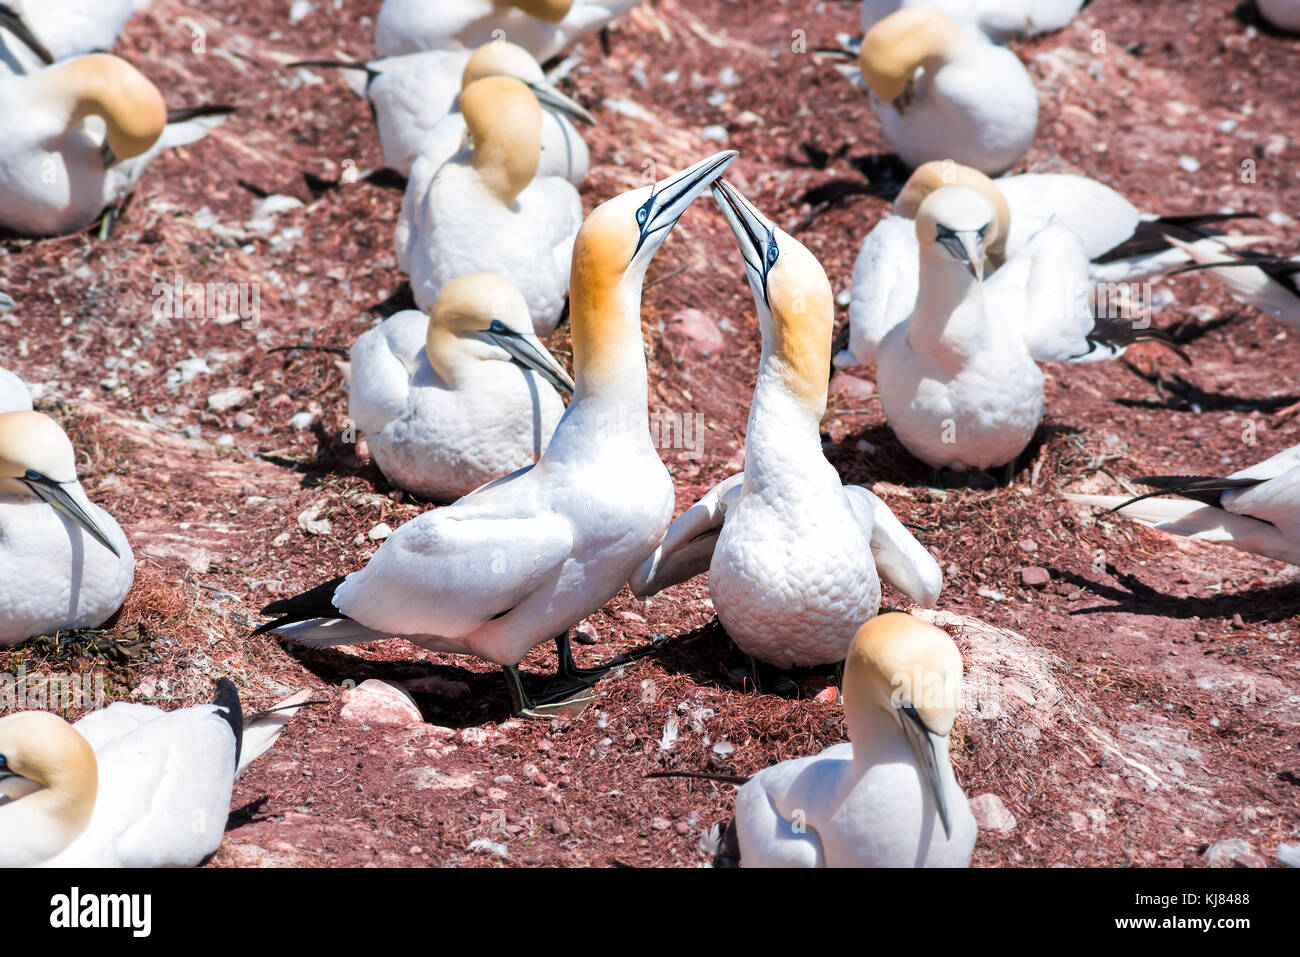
701, 776
226, 698
1199, 488
179, 114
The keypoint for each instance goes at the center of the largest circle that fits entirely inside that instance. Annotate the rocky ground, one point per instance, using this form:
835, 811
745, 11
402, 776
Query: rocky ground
1134, 698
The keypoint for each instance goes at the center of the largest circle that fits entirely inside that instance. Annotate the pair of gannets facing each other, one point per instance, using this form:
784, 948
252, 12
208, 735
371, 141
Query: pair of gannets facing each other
416, 93
463, 396
78, 137
36, 33
1256, 509
999, 19
64, 561
128, 786
888, 797
542, 27
1040, 215
488, 210
943, 91
794, 557
523, 559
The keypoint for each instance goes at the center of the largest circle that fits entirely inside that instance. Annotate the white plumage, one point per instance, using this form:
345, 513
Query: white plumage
65, 28
13, 393
1000, 19
1283, 14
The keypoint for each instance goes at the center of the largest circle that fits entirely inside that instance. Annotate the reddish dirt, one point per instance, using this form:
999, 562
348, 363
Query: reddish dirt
1179, 658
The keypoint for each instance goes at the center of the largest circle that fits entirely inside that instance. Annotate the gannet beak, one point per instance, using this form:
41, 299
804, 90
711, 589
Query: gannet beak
6, 302
967, 247
527, 350
670, 197
930, 749
57, 497
755, 234
13, 786
11, 21
555, 101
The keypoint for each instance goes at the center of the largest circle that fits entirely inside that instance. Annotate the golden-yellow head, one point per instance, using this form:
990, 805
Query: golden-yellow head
895, 662
936, 174
41, 748
504, 121
100, 84
33, 442
896, 46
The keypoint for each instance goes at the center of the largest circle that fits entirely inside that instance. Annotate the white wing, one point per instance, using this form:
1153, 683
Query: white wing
1100, 217
14, 396
687, 546
900, 559
885, 283
381, 364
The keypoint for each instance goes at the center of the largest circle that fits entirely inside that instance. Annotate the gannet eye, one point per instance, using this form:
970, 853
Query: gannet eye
498, 326
33, 475
4, 762
772, 253
641, 215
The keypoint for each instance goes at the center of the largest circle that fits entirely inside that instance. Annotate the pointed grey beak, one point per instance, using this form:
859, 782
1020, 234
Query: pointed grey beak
930, 749
755, 234
57, 497
555, 101
11, 21
670, 197
527, 350
6, 302
967, 247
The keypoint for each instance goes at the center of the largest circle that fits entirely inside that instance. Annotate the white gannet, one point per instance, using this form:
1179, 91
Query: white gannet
1121, 244
1256, 509
1283, 14
411, 94
889, 797
792, 555
79, 135
521, 560
14, 396
487, 210
477, 402
972, 102
36, 33
129, 786
542, 27
1269, 283
64, 562
1000, 19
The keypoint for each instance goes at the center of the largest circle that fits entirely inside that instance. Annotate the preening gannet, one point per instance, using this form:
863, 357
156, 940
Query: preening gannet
1256, 509
14, 396
411, 94
1283, 14
36, 33
1119, 243
971, 101
792, 555
78, 137
64, 562
542, 27
889, 798
129, 786
523, 559
476, 402
1000, 19
1269, 283
487, 210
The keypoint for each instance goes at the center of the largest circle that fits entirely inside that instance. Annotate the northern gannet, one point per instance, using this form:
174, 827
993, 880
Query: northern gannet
889, 797
487, 210
542, 27
1256, 509
36, 33
14, 396
523, 559
411, 94
78, 136
971, 101
1000, 19
64, 562
1120, 243
476, 402
792, 554
129, 786
1269, 283
1283, 14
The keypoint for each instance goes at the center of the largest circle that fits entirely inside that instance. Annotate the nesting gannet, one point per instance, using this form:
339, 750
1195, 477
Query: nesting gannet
889, 797
487, 210
521, 560
36, 33
1000, 19
542, 27
64, 562
1256, 509
1283, 14
1120, 243
78, 137
792, 555
971, 101
14, 396
411, 94
128, 786
1269, 283
477, 402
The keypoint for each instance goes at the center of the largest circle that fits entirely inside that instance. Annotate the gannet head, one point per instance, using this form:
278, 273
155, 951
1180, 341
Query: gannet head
486, 309
896, 46
908, 673
796, 309
612, 251
936, 174
959, 223
36, 457
39, 751
504, 123
503, 58
552, 11
100, 84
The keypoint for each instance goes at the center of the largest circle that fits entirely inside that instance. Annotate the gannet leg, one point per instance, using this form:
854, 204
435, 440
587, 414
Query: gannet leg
553, 704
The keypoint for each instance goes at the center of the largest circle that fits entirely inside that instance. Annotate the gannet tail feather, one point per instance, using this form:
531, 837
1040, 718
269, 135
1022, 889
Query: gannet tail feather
226, 698
1200, 488
261, 730
1153, 235
1110, 337
315, 603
